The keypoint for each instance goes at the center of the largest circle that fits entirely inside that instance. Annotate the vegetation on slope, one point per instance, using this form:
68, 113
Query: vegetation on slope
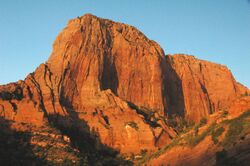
235, 129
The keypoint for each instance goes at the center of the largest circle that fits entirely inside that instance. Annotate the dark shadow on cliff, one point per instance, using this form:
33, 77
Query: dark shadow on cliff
86, 140
174, 91
15, 147
147, 113
109, 78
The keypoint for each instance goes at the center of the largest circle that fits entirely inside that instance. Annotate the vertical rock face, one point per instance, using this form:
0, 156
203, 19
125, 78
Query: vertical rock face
197, 88
94, 54
93, 61
98, 70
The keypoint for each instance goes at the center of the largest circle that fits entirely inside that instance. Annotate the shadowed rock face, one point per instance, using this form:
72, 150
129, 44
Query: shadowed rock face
118, 82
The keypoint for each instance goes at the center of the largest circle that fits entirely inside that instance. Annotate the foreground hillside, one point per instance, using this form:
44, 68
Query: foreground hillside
222, 140
108, 95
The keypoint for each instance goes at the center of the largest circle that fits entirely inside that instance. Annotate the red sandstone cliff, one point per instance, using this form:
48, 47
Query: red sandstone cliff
197, 88
100, 72
117, 81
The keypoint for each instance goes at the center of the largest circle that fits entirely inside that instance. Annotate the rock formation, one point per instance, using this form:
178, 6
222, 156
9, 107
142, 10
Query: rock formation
197, 88
111, 78
103, 73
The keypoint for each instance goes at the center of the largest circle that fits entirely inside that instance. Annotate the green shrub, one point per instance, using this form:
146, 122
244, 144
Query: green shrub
203, 121
180, 124
193, 140
144, 152
216, 133
196, 130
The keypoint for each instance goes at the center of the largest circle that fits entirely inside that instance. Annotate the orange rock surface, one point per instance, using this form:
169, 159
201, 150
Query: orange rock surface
239, 106
197, 88
97, 70
117, 81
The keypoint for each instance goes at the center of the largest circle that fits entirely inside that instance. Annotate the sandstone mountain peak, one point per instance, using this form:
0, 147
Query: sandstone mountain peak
106, 82
106, 74
110, 47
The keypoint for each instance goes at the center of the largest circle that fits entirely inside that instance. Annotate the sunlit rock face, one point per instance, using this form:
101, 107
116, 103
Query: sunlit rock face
197, 88
117, 82
100, 72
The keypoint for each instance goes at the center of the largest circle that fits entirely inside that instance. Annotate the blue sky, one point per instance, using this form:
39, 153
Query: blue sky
214, 30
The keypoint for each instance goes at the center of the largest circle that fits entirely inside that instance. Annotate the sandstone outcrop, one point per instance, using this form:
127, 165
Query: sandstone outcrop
197, 88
